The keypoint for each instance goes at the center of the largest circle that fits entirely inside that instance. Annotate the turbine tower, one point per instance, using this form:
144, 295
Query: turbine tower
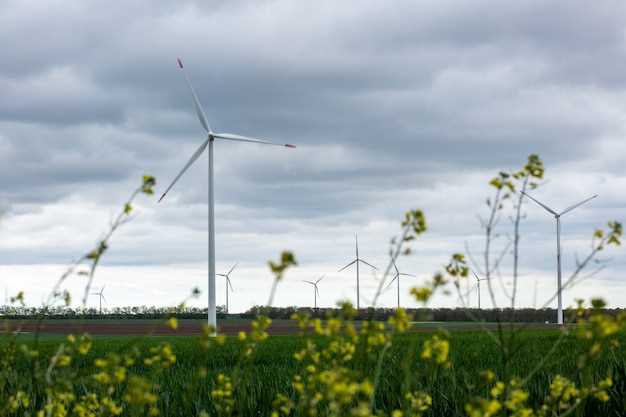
316, 290
557, 216
101, 297
396, 278
356, 262
208, 142
228, 284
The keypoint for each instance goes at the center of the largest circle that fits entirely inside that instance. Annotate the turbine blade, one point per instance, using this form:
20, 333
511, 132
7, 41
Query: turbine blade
231, 269
392, 281
468, 292
229, 284
366, 263
308, 282
540, 203
407, 275
319, 279
221, 275
478, 279
193, 158
570, 208
239, 138
350, 264
395, 266
196, 102
317, 291
105, 300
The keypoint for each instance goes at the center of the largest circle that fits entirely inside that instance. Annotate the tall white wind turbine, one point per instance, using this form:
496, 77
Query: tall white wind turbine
356, 262
208, 142
316, 290
396, 278
557, 216
101, 297
228, 284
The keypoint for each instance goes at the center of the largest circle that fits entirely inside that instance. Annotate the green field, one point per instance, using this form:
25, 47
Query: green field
273, 368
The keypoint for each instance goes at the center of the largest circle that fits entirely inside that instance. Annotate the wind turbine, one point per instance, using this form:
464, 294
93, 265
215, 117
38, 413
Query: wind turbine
208, 142
228, 284
316, 290
557, 216
356, 261
478, 286
396, 278
101, 296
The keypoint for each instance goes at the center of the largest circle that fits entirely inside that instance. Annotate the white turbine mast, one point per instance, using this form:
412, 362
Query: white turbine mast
208, 142
316, 291
396, 278
101, 297
356, 262
228, 284
557, 216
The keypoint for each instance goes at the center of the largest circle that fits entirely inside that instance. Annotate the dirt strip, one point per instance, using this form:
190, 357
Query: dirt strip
194, 327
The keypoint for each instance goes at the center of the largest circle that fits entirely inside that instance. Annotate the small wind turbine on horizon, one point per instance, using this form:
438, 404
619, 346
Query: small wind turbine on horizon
228, 284
357, 261
316, 290
208, 142
478, 286
101, 296
396, 278
557, 216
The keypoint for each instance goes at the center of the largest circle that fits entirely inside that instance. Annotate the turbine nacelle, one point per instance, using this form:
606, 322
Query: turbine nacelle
553, 212
211, 136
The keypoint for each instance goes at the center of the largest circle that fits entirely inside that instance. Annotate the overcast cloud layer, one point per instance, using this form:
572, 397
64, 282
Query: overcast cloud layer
414, 105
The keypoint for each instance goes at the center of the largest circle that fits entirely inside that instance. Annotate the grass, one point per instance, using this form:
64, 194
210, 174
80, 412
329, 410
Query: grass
272, 370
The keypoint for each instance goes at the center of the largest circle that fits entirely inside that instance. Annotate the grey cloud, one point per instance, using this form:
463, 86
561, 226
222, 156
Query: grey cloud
392, 107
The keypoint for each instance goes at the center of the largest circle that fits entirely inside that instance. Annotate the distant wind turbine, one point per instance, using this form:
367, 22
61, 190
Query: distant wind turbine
228, 284
557, 216
316, 290
356, 262
208, 142
396, 278
101, 296
478, 286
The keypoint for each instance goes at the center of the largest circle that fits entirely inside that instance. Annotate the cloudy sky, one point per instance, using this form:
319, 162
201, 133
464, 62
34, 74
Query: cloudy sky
415, 105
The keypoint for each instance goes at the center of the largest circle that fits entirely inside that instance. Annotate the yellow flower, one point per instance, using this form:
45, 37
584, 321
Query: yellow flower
64, 360
421, 294
172, 323
438, 349
497, 389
